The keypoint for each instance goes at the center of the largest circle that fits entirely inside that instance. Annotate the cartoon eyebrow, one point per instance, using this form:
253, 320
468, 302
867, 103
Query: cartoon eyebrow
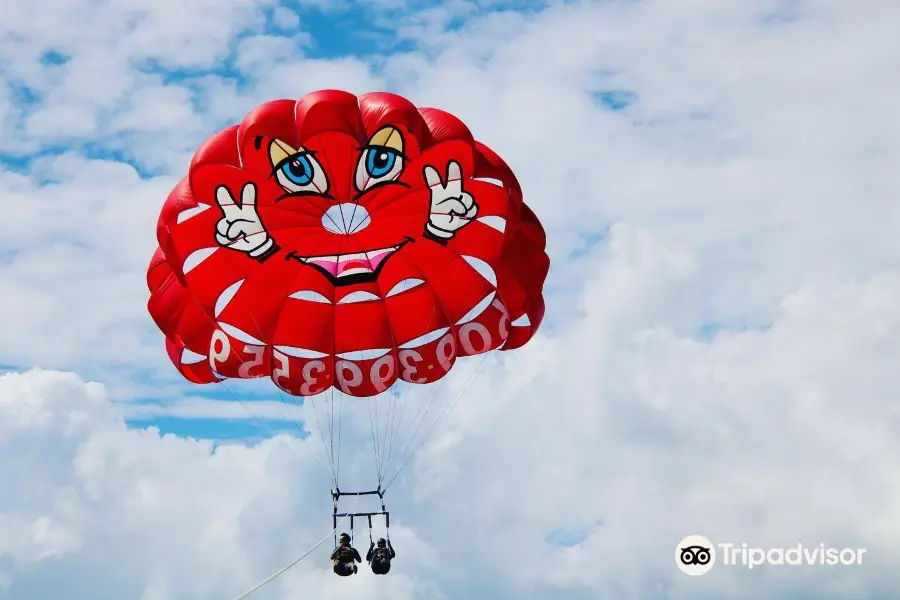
280, 151
387, 137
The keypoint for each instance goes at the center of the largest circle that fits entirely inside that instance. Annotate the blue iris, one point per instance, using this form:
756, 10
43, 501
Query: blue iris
380, 161
298, 170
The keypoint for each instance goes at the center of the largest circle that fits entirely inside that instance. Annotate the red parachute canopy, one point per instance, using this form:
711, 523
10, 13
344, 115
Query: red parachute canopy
347, 241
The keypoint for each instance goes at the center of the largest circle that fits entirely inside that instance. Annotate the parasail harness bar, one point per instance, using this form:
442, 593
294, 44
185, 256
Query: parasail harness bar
336, 495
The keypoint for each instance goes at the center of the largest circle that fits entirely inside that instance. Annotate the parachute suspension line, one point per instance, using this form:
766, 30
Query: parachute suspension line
284, 401
374, 442
282, 571
268, 427
375, 428
340, 427
396, 419
395, 425
470, 381
406, 395
332, 434
392, 413
413, 429
325, 444
390, 427
396, 394
330, 407
374, 405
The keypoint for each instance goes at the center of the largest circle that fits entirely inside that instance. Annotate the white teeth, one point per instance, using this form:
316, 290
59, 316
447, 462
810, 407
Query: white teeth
355, 271
355, 255
374, 253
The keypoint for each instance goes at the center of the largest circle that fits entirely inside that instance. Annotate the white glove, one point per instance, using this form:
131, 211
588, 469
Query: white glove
240, 227
451, 207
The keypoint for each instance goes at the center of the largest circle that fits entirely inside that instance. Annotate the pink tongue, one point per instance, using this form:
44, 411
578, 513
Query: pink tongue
337, 268
356, 263
329, 265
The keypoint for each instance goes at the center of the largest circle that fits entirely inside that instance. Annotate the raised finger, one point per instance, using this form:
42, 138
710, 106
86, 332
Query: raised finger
432, 177
225, 200
248, 194
454, 178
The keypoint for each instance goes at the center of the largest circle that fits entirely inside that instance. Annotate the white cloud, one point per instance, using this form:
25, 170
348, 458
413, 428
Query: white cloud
763, 436
751, 186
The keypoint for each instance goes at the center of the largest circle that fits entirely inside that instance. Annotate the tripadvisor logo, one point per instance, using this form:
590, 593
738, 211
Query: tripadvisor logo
696, 555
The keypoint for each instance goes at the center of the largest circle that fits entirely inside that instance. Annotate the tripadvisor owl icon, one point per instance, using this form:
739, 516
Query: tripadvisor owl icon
695, 555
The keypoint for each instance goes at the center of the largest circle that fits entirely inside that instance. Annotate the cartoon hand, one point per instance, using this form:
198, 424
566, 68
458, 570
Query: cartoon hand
240, 227
451, 207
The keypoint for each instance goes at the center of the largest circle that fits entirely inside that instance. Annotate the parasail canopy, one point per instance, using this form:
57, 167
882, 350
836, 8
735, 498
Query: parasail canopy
348, 242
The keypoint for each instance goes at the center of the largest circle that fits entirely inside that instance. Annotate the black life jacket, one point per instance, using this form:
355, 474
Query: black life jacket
381, 555
345, 554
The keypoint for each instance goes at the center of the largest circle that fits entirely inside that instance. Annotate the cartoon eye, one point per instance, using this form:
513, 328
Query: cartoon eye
297, 170
300, 173
382, 163
381, 160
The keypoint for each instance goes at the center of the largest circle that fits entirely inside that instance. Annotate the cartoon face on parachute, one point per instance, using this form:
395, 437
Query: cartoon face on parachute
344, 241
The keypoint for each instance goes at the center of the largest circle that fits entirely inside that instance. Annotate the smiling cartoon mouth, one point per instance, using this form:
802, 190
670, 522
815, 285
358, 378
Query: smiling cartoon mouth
345, 269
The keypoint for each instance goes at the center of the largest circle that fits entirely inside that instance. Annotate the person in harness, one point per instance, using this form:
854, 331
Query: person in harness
345, 557
379, 558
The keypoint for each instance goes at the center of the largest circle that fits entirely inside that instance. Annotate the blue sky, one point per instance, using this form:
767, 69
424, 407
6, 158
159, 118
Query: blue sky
352, 29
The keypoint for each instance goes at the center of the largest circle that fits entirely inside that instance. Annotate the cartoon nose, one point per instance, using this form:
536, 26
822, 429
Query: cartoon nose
346, 219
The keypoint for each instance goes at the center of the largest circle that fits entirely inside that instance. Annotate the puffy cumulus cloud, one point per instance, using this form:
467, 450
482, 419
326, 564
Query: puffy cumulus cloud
740, 131
91, 508
76, 239
139, 74
626, 436
618, 433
